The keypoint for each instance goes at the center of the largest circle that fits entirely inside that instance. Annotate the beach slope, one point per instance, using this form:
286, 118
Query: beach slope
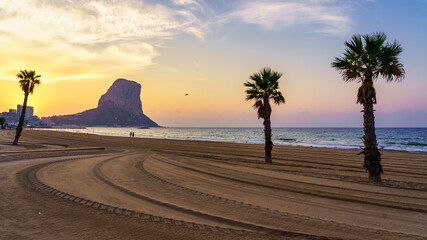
81, 186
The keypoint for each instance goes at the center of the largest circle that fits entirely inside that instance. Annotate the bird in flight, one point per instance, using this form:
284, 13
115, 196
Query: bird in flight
186, 94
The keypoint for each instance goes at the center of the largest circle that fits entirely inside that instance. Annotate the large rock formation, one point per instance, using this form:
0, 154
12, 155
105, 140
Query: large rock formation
123, 94
120, 106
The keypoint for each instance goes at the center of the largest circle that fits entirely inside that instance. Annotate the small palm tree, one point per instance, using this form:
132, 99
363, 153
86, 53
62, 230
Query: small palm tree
366, 58
28, 80
2, 121
262, 87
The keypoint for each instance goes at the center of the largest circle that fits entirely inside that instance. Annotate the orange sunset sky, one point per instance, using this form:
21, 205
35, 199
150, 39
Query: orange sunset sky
208, 49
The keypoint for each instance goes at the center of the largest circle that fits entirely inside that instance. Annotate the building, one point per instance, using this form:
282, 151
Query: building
48, 121
12, 111
28, 113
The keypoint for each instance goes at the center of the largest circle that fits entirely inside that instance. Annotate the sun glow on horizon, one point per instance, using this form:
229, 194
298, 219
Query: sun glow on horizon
205, 49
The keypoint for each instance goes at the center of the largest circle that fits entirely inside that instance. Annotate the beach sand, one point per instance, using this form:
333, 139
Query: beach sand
202, 190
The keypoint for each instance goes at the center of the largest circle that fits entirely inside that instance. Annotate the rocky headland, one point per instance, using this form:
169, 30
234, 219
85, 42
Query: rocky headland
120, 106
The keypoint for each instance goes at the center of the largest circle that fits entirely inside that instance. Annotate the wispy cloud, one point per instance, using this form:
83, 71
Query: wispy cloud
191, 3
196, 16
87, 37
327, 16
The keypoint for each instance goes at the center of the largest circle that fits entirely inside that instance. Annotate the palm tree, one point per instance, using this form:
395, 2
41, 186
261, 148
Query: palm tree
366, 58
262, 87
2, 121
28, 80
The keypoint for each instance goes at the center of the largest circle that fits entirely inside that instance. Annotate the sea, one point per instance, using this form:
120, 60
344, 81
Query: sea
389, 139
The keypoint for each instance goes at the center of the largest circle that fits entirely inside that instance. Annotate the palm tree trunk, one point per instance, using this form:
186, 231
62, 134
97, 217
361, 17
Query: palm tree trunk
372, 162
267, 131
21, 121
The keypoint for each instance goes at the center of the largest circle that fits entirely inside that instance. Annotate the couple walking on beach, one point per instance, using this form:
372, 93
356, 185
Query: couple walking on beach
131, 134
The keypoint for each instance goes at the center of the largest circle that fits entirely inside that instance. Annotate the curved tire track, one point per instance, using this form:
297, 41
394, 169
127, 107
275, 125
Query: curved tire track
28, 176
312, 192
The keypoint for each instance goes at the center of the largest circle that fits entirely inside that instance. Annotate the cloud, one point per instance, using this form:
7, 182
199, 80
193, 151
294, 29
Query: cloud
86, 38
328, 16
186, 3
195, 6
197, 16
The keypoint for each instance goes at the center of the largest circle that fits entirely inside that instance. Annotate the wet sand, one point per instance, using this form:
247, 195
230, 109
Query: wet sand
203, 190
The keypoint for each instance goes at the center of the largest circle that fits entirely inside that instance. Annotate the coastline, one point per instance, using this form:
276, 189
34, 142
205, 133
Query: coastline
389, 139
309, 191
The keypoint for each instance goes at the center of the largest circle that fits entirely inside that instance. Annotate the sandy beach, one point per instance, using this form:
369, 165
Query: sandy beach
58, 185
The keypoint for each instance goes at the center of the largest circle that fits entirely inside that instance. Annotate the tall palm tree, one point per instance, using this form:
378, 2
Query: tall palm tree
262, 87
365, 59
27, 80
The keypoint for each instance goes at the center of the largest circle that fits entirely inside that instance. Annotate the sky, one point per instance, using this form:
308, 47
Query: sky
208, 49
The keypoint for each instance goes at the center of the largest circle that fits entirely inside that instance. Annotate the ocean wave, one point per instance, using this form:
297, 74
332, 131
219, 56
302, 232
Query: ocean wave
287, 139
415, 144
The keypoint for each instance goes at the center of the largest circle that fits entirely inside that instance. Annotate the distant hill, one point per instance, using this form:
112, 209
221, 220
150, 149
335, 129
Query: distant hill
120, 106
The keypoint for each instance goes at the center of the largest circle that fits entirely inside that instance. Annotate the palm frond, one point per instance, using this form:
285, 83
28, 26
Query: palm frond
368, 57
348, 71
28, 80
278, 97
261, 87
355, 45
373, 46
391, 69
